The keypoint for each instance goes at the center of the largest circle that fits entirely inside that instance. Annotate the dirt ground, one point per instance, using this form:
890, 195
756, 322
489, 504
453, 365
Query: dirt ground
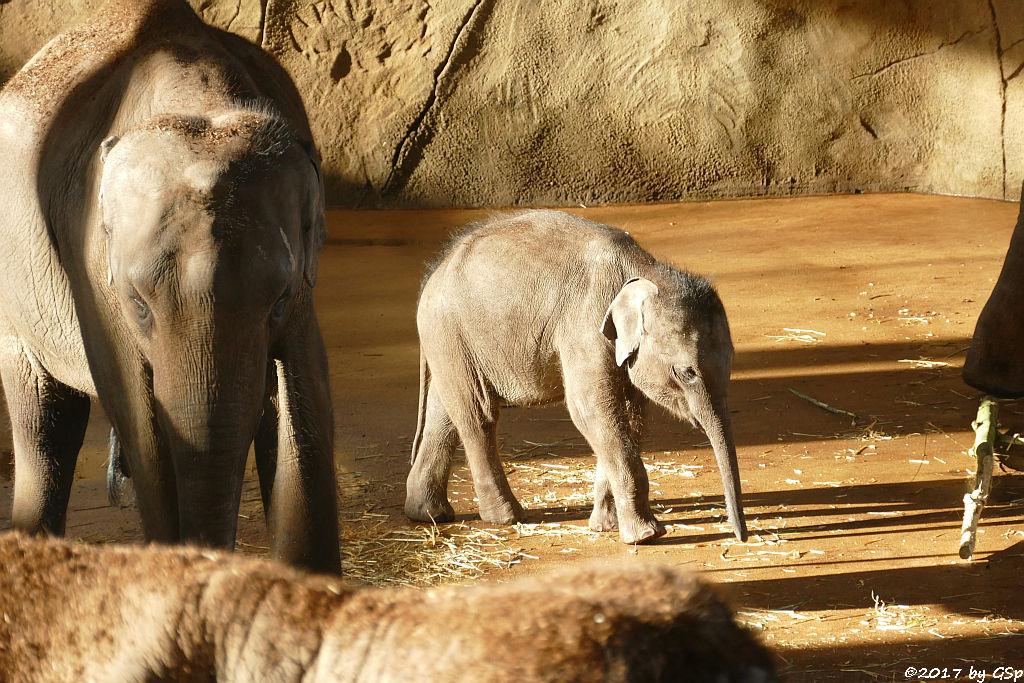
866, 303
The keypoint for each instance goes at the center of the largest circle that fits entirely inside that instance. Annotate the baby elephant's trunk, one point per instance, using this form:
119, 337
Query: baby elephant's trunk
718, 427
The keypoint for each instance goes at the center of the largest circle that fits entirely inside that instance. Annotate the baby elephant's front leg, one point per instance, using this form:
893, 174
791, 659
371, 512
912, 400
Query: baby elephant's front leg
621, 489
626, 478
603, 518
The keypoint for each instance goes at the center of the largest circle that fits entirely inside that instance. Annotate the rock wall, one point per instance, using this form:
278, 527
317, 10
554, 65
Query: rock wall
558, 102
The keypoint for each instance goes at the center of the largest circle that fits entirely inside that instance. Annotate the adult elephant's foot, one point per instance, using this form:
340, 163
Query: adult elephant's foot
641, 530
503, 512
422, 509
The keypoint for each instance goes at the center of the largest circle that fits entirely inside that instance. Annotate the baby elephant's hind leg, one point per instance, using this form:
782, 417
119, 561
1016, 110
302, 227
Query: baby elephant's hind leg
475, 416
426, 488
498, 505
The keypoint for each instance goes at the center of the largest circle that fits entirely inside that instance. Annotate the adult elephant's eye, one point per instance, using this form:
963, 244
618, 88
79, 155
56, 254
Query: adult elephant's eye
141, 310
685, 375
281, 305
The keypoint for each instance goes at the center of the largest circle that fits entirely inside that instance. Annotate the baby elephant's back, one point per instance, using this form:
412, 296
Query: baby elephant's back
506, 296
522, 271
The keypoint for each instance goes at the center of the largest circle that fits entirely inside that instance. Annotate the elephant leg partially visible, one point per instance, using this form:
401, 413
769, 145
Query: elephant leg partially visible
303, 506
620, 472
475, 418
265, 443
603, 517
145, 456
600, 410
426, 488
48, 421
498, 505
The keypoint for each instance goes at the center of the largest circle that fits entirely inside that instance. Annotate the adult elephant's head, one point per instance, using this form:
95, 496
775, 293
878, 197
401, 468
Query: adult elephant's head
213, 228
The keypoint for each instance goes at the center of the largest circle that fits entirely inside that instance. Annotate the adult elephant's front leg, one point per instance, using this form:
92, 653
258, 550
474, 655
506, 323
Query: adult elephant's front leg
48, 421
303, 506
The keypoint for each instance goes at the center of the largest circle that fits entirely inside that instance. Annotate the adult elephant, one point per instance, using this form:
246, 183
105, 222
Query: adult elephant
161, 211
995, 359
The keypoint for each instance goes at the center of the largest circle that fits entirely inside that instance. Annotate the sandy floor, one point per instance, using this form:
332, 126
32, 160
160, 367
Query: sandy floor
866, 303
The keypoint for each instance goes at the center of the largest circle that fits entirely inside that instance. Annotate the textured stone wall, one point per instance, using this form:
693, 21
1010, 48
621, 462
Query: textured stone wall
555, 102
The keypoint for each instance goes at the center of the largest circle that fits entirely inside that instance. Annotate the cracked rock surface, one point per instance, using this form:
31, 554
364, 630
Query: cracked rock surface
500, 102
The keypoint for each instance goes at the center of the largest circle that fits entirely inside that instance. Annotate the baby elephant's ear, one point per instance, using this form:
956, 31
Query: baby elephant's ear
624, 320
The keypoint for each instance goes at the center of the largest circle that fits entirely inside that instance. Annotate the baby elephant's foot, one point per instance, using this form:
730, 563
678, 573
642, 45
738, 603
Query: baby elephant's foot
641, 530
603, 518
420, 510
505, 513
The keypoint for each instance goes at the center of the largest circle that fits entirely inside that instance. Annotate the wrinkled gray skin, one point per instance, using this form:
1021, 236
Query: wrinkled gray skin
995, 360
541, 307
162, 215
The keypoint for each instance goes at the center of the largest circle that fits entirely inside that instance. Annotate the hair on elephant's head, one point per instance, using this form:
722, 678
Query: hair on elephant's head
673, 339
213, 229
215, 167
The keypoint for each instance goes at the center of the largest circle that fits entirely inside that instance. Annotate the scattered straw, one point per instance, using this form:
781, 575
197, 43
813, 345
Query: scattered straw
890, 617
797, 335
668, 468
924, 363
422, 556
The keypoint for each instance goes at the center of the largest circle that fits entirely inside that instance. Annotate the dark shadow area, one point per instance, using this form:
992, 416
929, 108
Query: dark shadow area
963, 587
342, 192
766, 412
952, 659
989, 590
901, 505
812, 355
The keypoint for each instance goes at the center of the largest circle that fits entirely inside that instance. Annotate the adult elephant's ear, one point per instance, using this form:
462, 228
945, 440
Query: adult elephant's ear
315, 225
624, 320
106, 146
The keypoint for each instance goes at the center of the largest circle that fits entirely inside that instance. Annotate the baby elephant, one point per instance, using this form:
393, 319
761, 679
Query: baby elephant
85, 613
543, 306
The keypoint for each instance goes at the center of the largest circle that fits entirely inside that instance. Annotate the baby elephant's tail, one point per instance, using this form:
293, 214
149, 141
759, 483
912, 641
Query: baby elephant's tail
421, 411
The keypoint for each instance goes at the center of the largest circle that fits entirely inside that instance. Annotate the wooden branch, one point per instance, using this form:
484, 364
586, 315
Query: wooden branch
985, 437
825, 406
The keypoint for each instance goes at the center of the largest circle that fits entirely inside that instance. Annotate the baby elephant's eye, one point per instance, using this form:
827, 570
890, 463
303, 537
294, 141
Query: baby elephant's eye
685, 375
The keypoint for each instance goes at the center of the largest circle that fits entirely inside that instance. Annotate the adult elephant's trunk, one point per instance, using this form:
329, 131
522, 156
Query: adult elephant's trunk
210, 404
713, 417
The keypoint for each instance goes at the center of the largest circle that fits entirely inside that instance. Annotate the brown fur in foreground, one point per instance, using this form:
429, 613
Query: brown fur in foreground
78, 612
